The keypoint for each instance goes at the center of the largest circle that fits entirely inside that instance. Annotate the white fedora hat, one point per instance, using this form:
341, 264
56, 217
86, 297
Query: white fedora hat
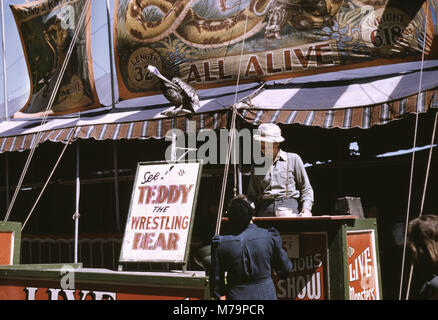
269, 132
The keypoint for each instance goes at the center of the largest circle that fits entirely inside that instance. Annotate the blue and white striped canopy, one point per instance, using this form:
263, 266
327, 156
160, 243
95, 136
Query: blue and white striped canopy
345, 99
349, 98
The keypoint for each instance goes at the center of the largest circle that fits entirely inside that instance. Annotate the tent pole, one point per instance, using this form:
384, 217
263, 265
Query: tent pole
5, 88
227, 165
108, 16
429, 161
173, 150
49, 105
239, 164
116, 185
7, 179
77, 215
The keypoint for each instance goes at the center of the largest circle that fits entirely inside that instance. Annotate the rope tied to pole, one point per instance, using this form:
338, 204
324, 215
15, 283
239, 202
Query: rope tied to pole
232, 143
48, 179
413, 163
49, 106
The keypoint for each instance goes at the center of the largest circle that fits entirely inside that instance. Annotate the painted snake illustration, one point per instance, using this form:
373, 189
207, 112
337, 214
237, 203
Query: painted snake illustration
179, 18
301, 14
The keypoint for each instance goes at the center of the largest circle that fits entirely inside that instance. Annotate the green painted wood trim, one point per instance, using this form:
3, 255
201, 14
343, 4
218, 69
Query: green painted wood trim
42, 266
337, 264
115, 278
14, 227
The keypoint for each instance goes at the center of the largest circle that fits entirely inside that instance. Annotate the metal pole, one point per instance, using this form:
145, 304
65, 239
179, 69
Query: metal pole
116, 185
227, 165
78, 192
239, 165
7, 179
173, 150
49, 105
239, 175
110, 47
5, 87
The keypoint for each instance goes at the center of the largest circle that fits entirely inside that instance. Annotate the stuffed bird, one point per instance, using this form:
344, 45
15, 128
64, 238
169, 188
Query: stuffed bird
184, 98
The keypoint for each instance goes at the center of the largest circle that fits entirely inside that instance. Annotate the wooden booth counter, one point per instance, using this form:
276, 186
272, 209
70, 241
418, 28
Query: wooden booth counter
71, 282
334, 257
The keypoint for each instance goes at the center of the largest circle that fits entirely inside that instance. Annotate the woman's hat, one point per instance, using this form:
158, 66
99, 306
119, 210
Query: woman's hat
240, 212
269, 132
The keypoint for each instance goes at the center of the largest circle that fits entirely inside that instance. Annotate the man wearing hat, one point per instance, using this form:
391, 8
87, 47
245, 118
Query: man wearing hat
283, 183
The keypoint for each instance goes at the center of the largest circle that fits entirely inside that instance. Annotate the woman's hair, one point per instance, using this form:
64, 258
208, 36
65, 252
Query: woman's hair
240, 213
423, 240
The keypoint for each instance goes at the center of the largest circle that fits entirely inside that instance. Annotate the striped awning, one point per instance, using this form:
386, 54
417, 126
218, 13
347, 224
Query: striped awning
348, 99
127, 121
80, 129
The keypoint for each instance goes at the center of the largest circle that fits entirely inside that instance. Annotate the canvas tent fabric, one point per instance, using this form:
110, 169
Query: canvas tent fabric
139, 118
347, 99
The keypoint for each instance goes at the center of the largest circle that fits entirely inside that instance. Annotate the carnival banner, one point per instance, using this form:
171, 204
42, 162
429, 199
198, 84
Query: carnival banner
46, 28
215, 42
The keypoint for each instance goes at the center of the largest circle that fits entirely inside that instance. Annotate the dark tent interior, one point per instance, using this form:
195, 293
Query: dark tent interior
335, 170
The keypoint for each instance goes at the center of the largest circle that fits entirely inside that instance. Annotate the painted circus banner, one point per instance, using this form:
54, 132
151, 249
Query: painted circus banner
214, 42
46, 29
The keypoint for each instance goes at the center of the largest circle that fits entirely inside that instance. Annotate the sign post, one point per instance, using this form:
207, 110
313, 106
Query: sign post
160, 219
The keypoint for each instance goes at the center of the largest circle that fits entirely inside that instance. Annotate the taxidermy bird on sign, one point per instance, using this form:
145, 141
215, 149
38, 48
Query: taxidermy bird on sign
184, 98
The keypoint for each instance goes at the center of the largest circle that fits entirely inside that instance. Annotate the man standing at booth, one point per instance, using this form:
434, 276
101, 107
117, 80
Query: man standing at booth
281, 183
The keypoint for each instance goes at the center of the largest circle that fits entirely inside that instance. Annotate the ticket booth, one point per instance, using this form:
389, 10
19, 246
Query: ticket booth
334, 257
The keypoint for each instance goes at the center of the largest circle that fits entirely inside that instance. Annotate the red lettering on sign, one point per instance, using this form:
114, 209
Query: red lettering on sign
142, 221
287, 60
253, 67
185, 192
270, 64
222, 75
137, 237
304, 59
147, 241
319, 49
162, 194
174, 194
161, 242
193, 74
141, 195
151, 192
173, 241
134, 222
207, 72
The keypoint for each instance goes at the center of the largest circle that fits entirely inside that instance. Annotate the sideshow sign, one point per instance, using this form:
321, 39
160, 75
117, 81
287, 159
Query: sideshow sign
362, 266
308, 278
210, 43
160, 219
